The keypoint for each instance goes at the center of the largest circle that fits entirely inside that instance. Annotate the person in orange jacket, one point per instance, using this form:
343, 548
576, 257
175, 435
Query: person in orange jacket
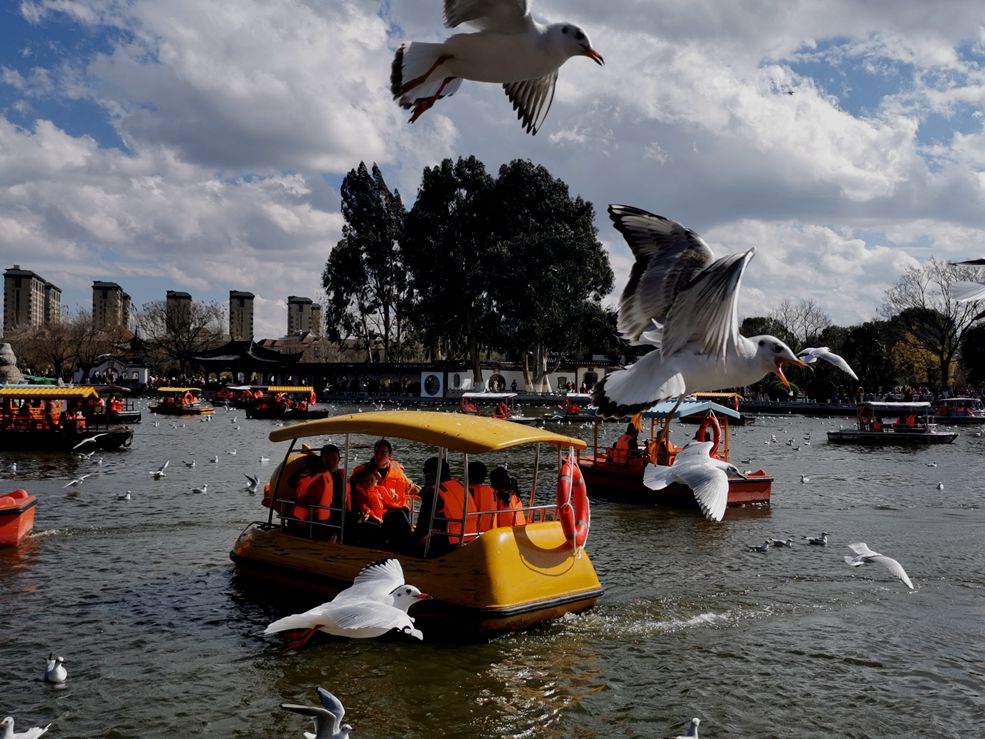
507, 499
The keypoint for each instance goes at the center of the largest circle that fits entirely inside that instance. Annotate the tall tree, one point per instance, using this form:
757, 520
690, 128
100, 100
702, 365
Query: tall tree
929, 319
767, 325
179, 332
868, 350
365, 278
804, 320
548, 264
447, 246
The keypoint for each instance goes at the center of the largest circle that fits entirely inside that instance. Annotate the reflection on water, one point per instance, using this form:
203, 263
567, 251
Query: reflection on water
161, 640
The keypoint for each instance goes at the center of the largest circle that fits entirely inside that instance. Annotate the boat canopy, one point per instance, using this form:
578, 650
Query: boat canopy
179, 389
887, 408
102, 389
488, 396
582, 397
47, 391
289, 388
455, 431
730, 396
960, 401
690, 408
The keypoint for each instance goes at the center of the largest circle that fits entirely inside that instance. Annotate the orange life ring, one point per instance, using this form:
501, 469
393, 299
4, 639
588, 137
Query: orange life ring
189, 398
710, 420
502, 411
572, 503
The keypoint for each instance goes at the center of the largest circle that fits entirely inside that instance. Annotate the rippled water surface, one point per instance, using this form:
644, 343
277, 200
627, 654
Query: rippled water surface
160, 640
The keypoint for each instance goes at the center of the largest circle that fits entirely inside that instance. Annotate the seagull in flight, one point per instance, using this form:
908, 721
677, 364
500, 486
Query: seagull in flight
684, 303
328, 716
253, 483
159, 472
965, 292
376, 603
89, 440
7, 730
508, 47
812, 354
694, 467
77, 481
864, 556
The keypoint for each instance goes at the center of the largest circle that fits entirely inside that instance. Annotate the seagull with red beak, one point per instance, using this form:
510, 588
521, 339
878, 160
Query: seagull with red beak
509, 48
684, 303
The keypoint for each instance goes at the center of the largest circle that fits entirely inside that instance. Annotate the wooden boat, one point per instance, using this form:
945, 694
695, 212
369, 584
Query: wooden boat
504, 579
729, 399
50, 418
16, 517
181, 401
959, 411
289, 402
914, 426
618, 474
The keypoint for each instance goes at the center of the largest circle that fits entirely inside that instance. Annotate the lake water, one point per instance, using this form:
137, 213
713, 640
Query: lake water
160, 640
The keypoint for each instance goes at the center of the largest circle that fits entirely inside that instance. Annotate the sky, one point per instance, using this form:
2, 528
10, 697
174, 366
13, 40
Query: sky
199, 145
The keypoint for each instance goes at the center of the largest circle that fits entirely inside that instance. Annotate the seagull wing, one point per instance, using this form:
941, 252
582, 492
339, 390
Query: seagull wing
532, 99
707, 309
657, 477
668, 256
500, 16
374, 582
965, 292
334, 706
894, 567
324, 720
972, 262
164, 466
862, 550
368, 615
253, 480
812, 354
709, 485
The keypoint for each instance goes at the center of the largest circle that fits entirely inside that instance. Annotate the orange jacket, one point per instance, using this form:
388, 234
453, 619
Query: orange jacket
317, 491
369, 501
397, 485
510, 514
451, 509
484, 498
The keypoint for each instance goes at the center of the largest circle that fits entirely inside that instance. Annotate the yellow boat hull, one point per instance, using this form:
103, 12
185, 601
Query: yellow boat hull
508, 579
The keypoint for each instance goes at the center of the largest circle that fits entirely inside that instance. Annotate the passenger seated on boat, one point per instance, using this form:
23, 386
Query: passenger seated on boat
315, 492
484, 497
508, 505
625, 446
877, 424
367, 509
449, 508
391, 472
662, 451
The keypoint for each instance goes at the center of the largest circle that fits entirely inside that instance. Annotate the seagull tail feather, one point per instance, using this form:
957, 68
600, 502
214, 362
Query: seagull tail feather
637, 387
290, 623
410, 74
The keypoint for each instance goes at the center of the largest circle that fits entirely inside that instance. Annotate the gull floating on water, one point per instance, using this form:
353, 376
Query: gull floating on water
128, 495
376, 603
190, 465
203, 489
54, 671
694, 466
328, 717
7, 730
159, 472
684, 303
764, 547
254, 482
77, 481
812, 354
864, 555
819, 541
805, 479
509, 48
780, 543
692, 730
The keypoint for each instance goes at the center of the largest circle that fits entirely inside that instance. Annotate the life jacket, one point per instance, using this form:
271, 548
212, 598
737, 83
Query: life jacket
451, 509
368, 501
314, 491
484, 498
511, 513
397, 485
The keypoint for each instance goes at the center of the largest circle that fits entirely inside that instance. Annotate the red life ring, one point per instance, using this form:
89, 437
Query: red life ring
710, 420
189, 398
572, 503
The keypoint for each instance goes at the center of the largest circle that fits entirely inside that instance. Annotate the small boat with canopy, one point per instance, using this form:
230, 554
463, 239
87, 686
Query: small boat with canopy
181, 401
53, 418
894, 424
288, 402
497, 405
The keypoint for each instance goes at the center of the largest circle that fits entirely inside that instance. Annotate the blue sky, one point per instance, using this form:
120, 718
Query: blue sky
200, 146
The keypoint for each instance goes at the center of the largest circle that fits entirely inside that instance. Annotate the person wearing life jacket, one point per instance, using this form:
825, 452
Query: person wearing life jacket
508, 502
449, 498
115, 405
367, 508
484, 497
314, 496
625, 446
392, 475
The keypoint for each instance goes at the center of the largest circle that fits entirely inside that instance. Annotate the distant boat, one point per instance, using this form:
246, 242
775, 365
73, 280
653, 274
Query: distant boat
913, 426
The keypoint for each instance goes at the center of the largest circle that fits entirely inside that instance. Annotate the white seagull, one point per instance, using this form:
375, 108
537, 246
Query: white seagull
159, 472
811, 354
964, 292
328, 717
253, 483
694, 466
818, 541
376, 603
54, 671
692, 730
684, 303
77, 481
89, 440
864, 556
203, 489
509, 48
190, 465
7, 730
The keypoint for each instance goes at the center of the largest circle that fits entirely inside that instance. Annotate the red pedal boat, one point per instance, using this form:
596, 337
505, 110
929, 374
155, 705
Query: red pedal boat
16, 517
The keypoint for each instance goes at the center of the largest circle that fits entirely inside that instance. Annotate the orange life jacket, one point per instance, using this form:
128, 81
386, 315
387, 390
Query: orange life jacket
484, 498
451, 509
369, 501
510, 514
314, 491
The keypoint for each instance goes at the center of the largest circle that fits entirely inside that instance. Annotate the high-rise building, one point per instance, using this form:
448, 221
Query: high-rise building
28, 299
110, 305
240, 315
178, 307
314, 320
298, 314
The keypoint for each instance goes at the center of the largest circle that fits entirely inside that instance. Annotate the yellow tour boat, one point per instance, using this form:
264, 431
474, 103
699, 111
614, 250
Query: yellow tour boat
181, 401
501, 579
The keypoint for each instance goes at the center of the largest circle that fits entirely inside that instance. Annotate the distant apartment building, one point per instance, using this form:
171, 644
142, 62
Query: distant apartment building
178, 306
240, 315
29, 300
110, 305
303, 316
